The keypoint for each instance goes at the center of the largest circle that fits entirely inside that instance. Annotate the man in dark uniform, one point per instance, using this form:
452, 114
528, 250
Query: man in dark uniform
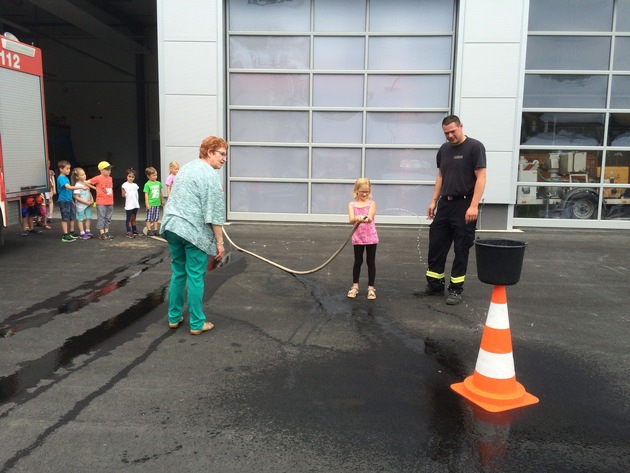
459, 186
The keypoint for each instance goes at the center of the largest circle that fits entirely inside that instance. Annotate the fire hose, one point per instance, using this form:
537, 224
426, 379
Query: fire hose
288, 270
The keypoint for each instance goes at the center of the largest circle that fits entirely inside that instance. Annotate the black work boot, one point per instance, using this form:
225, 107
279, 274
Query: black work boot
453, 298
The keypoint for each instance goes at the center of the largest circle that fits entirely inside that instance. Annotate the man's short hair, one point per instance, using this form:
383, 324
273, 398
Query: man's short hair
451, 119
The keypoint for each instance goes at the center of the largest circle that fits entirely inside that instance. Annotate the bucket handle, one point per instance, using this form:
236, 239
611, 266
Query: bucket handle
480, 215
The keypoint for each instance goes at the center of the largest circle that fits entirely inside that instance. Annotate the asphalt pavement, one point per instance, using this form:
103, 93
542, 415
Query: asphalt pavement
295, 376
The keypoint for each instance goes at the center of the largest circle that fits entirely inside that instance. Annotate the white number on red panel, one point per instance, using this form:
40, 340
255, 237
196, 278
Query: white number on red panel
9, 60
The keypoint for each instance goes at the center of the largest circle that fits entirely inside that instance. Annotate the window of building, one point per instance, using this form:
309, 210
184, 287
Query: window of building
575, 137
323, 92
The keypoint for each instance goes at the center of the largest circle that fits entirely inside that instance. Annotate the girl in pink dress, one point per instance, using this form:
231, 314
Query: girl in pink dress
362, 210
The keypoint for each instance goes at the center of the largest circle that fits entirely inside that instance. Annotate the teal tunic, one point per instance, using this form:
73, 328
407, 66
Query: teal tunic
197, 202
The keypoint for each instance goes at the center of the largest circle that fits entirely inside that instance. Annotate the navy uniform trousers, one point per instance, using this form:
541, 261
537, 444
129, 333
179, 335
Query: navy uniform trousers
450, 228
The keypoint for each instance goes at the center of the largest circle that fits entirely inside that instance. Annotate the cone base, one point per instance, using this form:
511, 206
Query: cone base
494, 402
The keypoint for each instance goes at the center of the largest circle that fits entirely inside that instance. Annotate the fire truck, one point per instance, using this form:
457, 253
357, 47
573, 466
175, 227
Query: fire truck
568, 191
23, 146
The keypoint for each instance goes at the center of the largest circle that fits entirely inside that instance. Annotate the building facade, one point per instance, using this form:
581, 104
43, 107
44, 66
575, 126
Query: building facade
312, 94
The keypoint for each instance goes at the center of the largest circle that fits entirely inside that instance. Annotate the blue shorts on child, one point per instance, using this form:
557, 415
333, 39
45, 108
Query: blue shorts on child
30, 212
153, 214
67, 210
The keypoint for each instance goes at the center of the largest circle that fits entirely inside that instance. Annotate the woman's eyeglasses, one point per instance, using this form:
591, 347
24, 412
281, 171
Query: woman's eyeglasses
222, 153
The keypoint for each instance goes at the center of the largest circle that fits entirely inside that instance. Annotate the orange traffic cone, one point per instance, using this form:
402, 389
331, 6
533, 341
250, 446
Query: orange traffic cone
493, 385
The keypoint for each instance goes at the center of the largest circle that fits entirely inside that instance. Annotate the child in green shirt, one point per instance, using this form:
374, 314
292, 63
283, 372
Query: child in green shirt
153, 200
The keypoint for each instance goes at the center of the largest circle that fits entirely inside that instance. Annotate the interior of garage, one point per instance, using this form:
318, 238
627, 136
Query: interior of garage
100, 78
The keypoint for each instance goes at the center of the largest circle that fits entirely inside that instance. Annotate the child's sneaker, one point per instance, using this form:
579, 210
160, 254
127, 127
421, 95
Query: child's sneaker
130, 235
135, 233
73, 236
109, 237
103, 236
67, 239
86, 236
35, 231
24, 233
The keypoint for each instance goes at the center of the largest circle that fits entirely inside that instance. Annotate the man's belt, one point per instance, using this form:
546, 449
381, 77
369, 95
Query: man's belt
457, 197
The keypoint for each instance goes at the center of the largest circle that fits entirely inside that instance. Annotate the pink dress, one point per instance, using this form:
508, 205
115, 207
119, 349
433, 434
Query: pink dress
366, 233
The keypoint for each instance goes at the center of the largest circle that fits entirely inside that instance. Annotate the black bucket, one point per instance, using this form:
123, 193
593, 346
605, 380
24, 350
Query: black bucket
499, 261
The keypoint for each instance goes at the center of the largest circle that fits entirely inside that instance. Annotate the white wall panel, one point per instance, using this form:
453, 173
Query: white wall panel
499, 172
494, 21
189, 20
497, 69
489, 86
190, 65
188, 119
491, 121
191, 68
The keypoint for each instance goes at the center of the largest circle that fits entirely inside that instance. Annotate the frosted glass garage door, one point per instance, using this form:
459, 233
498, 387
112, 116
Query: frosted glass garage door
323, 92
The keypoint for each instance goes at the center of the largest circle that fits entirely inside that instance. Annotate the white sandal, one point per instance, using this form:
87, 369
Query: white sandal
352, 293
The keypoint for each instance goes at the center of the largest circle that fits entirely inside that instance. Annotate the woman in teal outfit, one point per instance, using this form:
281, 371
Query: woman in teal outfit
193, 227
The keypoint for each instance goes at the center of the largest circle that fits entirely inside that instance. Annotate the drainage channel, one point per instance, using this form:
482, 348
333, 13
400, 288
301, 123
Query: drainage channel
41, 313
42, 368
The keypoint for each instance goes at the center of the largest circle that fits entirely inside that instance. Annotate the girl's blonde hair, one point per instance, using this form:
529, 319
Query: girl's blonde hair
173, 164
75, 175
361, 182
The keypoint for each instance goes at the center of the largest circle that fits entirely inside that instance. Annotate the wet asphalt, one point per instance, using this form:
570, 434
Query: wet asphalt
296, 377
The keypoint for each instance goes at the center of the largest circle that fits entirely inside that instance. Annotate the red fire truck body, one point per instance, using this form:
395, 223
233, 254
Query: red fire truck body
23, 145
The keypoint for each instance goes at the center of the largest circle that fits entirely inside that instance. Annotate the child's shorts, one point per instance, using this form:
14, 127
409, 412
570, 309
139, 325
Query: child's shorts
153, 214
85, 214
67, 210
30, 212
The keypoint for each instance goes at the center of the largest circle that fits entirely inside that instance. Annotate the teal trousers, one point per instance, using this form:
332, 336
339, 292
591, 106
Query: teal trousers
188, 264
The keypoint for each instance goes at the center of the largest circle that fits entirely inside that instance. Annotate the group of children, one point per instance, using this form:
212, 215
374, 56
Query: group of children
75, 200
